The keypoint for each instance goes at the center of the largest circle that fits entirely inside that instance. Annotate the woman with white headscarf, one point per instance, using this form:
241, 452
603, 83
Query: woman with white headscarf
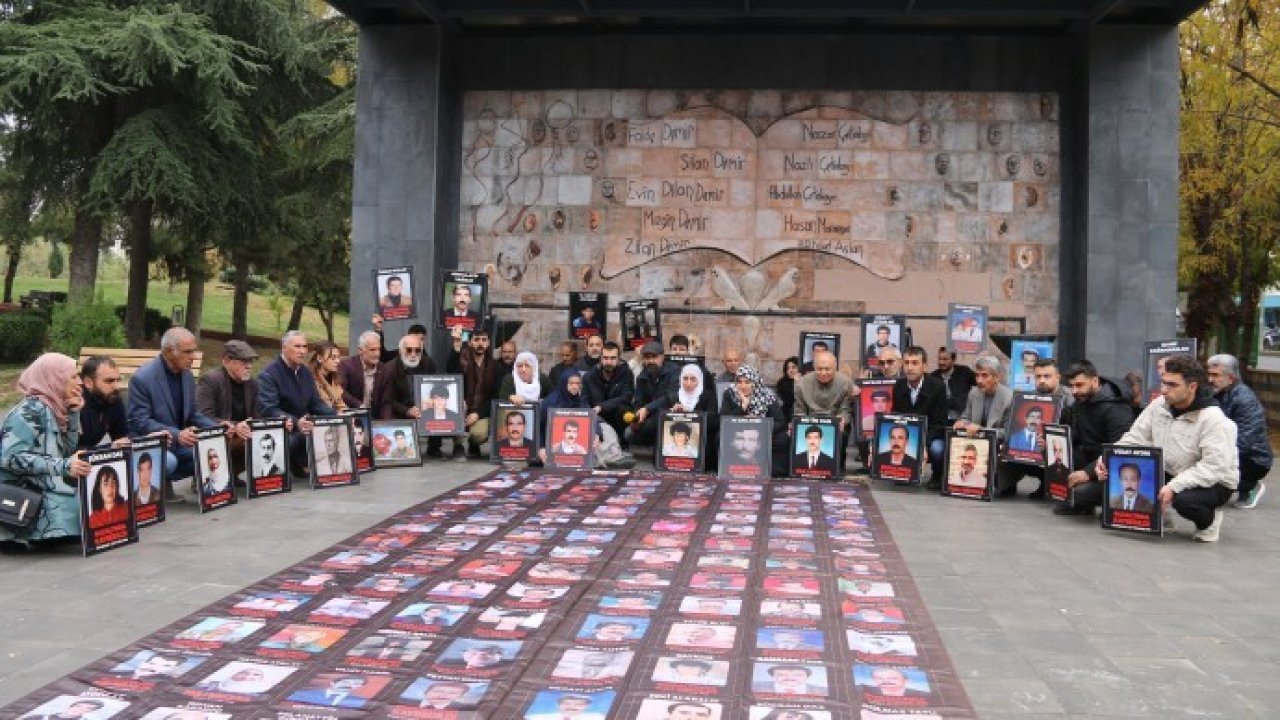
694, 395
525, 384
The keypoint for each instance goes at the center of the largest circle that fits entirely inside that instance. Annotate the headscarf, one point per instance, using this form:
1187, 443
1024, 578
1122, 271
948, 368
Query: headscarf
531, 391
46, 379
762, 398
690, 400
561, 397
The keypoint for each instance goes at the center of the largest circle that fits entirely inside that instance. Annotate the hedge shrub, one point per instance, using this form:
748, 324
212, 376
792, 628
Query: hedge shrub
85, 324
24, 335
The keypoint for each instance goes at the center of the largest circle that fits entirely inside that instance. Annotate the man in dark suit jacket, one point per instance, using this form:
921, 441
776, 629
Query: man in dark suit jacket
287, 389
957, 381
162, 398
813, 457
230, 394
1130, 498
916, 393
362, 372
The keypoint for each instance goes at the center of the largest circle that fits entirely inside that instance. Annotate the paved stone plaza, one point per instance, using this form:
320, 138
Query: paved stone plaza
1042, 616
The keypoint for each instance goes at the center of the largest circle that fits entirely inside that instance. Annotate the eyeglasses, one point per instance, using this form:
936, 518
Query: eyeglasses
413, 351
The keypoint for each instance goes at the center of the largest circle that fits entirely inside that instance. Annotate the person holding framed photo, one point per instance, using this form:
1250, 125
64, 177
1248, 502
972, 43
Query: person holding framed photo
750, 397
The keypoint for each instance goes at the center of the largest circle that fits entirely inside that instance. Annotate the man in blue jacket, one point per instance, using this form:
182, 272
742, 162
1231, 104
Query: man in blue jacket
162, 398
1240, 404
287, 389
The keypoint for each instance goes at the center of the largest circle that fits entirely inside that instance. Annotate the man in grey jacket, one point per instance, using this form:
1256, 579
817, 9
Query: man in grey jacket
1198, 443
989, 400
1253, 446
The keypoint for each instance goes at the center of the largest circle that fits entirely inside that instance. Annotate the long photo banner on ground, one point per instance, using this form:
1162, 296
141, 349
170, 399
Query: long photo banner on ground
534, 592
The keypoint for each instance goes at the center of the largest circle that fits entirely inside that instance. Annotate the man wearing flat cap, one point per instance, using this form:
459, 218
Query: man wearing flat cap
229, 394
654, 384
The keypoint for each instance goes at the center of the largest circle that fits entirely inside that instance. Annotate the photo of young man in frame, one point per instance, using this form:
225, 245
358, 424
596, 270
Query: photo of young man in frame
394, 290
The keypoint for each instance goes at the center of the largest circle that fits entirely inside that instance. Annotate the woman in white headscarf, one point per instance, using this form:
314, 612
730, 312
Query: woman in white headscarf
695, 395
525, 384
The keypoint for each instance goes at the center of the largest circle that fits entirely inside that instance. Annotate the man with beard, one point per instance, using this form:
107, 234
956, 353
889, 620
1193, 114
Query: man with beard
1099, 416
610, 385
397, 401
593, 349
957, 381
286, 389
229, 394
479, 378
656, 382
102, 418
968, 475
385, 355
507, 354
1048, 382
917, 393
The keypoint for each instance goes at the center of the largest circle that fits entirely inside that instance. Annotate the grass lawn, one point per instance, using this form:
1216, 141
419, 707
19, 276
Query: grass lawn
162, 296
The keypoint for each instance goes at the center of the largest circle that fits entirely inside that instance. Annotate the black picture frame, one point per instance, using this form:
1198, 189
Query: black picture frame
966, 328
502, 451
869, 349
325, 471
961, 483
580, 327
426, 389
152, 447
557, 435
215, 488
1019, 448
360, 434
669, 454
744, 456
875, 395
810, 338
1147, 515
107, 528
1058, 465
883, 465
829, 463
639, 321
265, 476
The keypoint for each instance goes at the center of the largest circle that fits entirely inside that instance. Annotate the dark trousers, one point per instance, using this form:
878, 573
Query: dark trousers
1250, 474
647, 432
1198, 503
1010, 473
1086, 496
298, 450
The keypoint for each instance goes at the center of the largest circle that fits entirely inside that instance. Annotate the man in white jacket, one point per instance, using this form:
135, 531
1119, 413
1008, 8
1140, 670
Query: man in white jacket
1198, 442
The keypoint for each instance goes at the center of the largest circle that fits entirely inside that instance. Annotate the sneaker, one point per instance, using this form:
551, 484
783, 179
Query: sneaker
1210, 534
1251, 500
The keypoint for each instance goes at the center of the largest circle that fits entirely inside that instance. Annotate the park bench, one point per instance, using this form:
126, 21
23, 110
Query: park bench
42, 299
128, 360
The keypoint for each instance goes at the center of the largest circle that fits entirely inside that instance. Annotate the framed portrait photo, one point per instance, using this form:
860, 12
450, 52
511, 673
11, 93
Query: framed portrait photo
1057, 460
214, 482
880, 333
148, 480
1024, 353
588, 315
570, 438
395, 443
1028, 415
464, 298
1135, 476
813, 342
440, 399
266, 458
815, 448
875, 395
681, 442
394, 291
897, 449
106, 508
966, 328
970, 465
640, 321
360, 436
331, 452
513, 432
746, 448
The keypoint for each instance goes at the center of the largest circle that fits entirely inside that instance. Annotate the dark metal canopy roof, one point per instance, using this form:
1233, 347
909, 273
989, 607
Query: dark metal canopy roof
771, 15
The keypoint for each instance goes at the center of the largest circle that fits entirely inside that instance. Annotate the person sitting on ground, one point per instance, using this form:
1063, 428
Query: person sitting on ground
1198, 443
750, 397
731, 359
507, 354
826, 392
918, 393
568, 359
396, 400
1048, 382
1253, 446
594, 345
695, 395
323, 362
230, 394
958, 380
989, 402
287, 390
102, 419
1100, 415
387, 355
162, 398
609, 386
569, 394
655, 383
786, 385
524, 384
39, 453
358, 372
479, 381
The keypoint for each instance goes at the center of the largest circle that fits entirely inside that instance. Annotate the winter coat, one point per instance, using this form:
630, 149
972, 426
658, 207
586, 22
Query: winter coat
36, 455
1097, 421
1199, 445
1239, 403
